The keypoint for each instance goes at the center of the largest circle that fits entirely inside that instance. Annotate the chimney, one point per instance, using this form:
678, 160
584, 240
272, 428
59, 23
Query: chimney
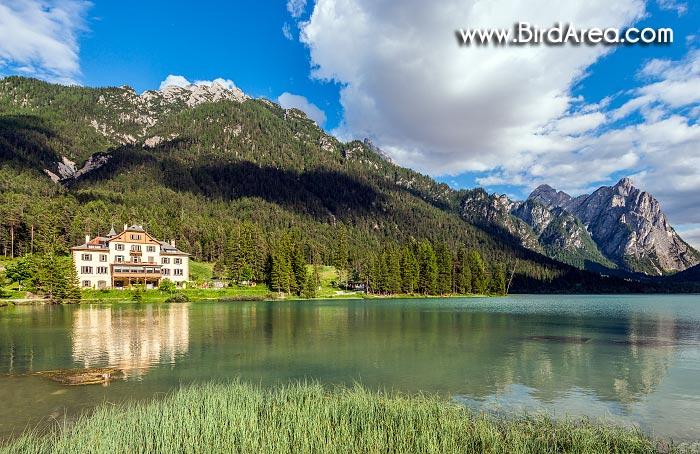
87, 239
172, 243
125, 227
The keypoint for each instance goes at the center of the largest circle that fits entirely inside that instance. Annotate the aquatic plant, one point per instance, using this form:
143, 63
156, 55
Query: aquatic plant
306, 417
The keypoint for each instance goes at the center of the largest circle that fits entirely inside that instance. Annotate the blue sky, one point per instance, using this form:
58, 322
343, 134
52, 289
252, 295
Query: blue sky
508, 119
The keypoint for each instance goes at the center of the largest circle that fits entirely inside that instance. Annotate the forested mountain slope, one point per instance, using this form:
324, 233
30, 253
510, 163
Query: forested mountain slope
212, 168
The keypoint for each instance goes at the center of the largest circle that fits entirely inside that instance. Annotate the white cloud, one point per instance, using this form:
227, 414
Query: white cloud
691, 236
287, 31
181, 81
40, 38
680, 7
508, 111
446, 109
296, 7
290, 101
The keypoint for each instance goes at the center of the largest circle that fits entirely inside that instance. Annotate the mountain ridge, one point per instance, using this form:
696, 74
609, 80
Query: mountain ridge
197, 173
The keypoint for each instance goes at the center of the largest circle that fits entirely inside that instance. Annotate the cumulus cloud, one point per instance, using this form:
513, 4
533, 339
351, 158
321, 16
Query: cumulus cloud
181, 81
691, 236
296, 7
40, 38
442, 108
508, 111
660, 151
290, 101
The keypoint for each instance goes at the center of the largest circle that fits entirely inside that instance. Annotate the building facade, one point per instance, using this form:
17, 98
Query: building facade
131, 257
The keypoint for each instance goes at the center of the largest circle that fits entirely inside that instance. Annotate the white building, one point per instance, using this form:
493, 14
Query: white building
130, 257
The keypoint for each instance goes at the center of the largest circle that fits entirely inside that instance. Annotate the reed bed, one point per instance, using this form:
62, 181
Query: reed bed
238, 417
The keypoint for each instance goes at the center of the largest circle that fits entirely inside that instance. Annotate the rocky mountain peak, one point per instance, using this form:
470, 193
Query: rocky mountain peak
548, 196
195, 94
625, 187
628, 226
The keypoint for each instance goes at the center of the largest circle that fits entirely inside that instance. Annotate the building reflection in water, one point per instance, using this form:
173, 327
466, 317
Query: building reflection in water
130, 339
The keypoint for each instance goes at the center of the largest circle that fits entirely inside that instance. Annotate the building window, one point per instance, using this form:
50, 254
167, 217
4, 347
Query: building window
151, 248
178, 261
135, 237
151, 259
119, 247
87, 284
85, 270
87, 257
101, 284
166, 272
103, 257
135, 259
136, 247
101, 270
165, 260
118, 258
178, 272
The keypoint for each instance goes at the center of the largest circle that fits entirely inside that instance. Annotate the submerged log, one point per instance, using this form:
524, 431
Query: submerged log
75, 377
561, 339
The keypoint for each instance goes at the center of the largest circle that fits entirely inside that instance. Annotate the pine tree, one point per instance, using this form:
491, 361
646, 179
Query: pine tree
410, 270
476, 266
444, 264
299, 268
340, 252
310, 286
497, 286
393, 264
463, 277
72, 290
427, 280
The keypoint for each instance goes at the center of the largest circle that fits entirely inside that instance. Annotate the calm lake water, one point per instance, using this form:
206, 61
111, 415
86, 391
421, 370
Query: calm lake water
632, 360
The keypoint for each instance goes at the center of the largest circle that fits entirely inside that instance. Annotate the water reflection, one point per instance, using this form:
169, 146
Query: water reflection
635, 358
131, 339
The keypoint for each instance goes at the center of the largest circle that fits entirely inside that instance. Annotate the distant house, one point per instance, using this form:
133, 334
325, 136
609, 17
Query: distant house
131, 257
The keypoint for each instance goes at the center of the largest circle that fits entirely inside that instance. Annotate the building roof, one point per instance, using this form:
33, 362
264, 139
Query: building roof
99, 243
96, 244
169, 249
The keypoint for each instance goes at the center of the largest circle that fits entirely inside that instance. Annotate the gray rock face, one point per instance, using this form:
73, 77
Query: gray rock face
379, 152
615, 227
628, 226
491, 211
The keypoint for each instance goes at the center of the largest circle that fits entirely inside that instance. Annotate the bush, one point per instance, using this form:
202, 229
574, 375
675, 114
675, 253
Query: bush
177, 298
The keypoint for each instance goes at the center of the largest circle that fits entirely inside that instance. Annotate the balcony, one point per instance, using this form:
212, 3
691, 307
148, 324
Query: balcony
135, 253
137, 271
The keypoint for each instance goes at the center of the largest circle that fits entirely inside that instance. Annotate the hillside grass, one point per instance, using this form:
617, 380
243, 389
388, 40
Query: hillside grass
240, 417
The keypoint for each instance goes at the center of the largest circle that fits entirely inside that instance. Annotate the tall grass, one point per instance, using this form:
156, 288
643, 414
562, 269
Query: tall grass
299, 418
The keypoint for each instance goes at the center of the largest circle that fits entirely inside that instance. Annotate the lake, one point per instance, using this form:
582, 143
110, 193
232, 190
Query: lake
630, 360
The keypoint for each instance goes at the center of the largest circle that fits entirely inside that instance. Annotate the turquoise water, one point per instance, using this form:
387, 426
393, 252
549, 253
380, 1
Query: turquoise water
631, 360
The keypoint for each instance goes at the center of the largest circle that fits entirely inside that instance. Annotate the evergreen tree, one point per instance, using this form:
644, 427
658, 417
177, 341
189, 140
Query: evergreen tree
444, 265
393, 265
476, 266
71, 292
463, 277
341, 252
299, 268
310, 286
497, 285
409, 270
427, 280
